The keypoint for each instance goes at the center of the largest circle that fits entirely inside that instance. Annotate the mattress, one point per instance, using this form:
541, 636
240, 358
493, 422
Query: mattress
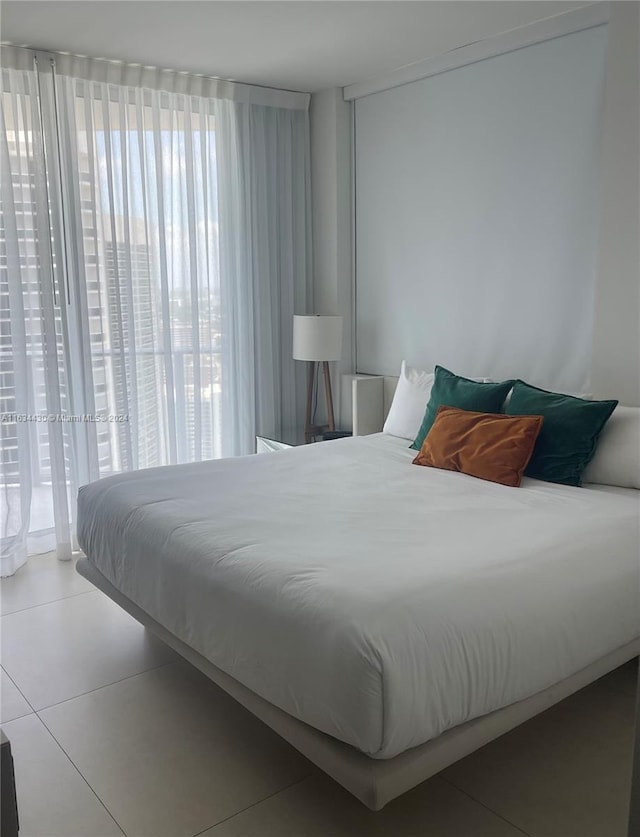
379, 602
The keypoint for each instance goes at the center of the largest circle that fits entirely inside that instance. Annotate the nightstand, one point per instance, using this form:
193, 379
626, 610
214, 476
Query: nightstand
284, 440
293, 438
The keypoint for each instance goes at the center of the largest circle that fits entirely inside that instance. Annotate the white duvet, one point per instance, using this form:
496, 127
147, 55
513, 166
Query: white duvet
380, 602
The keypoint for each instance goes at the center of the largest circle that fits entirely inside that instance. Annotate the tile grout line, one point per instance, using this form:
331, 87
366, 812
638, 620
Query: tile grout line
253, 805
37, 712
79, 772
49, 601
173, 662
104, 686
486, 807
19, 690
99, 688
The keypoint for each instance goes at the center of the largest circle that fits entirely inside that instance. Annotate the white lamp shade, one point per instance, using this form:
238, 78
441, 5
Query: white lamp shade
317, 338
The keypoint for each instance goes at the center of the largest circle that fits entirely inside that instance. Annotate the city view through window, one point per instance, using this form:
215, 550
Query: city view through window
141, 338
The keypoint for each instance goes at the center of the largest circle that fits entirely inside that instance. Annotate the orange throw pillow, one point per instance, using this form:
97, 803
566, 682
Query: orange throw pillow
490, 446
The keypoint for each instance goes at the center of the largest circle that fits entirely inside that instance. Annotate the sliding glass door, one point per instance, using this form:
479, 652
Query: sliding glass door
110, 290
145, 311
140, 182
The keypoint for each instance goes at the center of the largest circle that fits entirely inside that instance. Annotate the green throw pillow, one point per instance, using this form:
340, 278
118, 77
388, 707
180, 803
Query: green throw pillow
569, 434
451, 390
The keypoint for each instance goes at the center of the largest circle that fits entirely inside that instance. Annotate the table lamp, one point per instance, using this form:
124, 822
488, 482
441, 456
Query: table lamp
317, 340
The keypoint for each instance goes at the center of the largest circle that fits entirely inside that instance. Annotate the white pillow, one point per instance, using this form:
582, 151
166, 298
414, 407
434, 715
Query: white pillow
617, 457
409, 402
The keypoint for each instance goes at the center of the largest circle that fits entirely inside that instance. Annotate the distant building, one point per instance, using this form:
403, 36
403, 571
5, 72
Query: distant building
132, 352
134, 337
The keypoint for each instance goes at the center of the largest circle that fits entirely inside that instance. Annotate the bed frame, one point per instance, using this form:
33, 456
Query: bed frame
375, 782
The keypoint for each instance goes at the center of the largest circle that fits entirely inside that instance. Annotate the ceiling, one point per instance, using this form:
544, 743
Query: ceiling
297, 45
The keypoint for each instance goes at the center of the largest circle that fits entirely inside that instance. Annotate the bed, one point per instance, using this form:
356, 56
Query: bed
385, 619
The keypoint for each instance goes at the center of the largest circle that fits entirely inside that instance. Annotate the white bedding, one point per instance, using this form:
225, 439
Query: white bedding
379, 602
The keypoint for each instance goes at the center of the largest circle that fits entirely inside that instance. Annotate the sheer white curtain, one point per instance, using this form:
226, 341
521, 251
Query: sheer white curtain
140, 182
263, 166
182, 221
37, 474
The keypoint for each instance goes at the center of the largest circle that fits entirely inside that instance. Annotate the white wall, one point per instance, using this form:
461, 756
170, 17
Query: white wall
616, 343
477, 214
330, 118
616, 348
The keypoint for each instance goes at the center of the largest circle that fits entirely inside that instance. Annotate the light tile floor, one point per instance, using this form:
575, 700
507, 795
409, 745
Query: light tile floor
113, 734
